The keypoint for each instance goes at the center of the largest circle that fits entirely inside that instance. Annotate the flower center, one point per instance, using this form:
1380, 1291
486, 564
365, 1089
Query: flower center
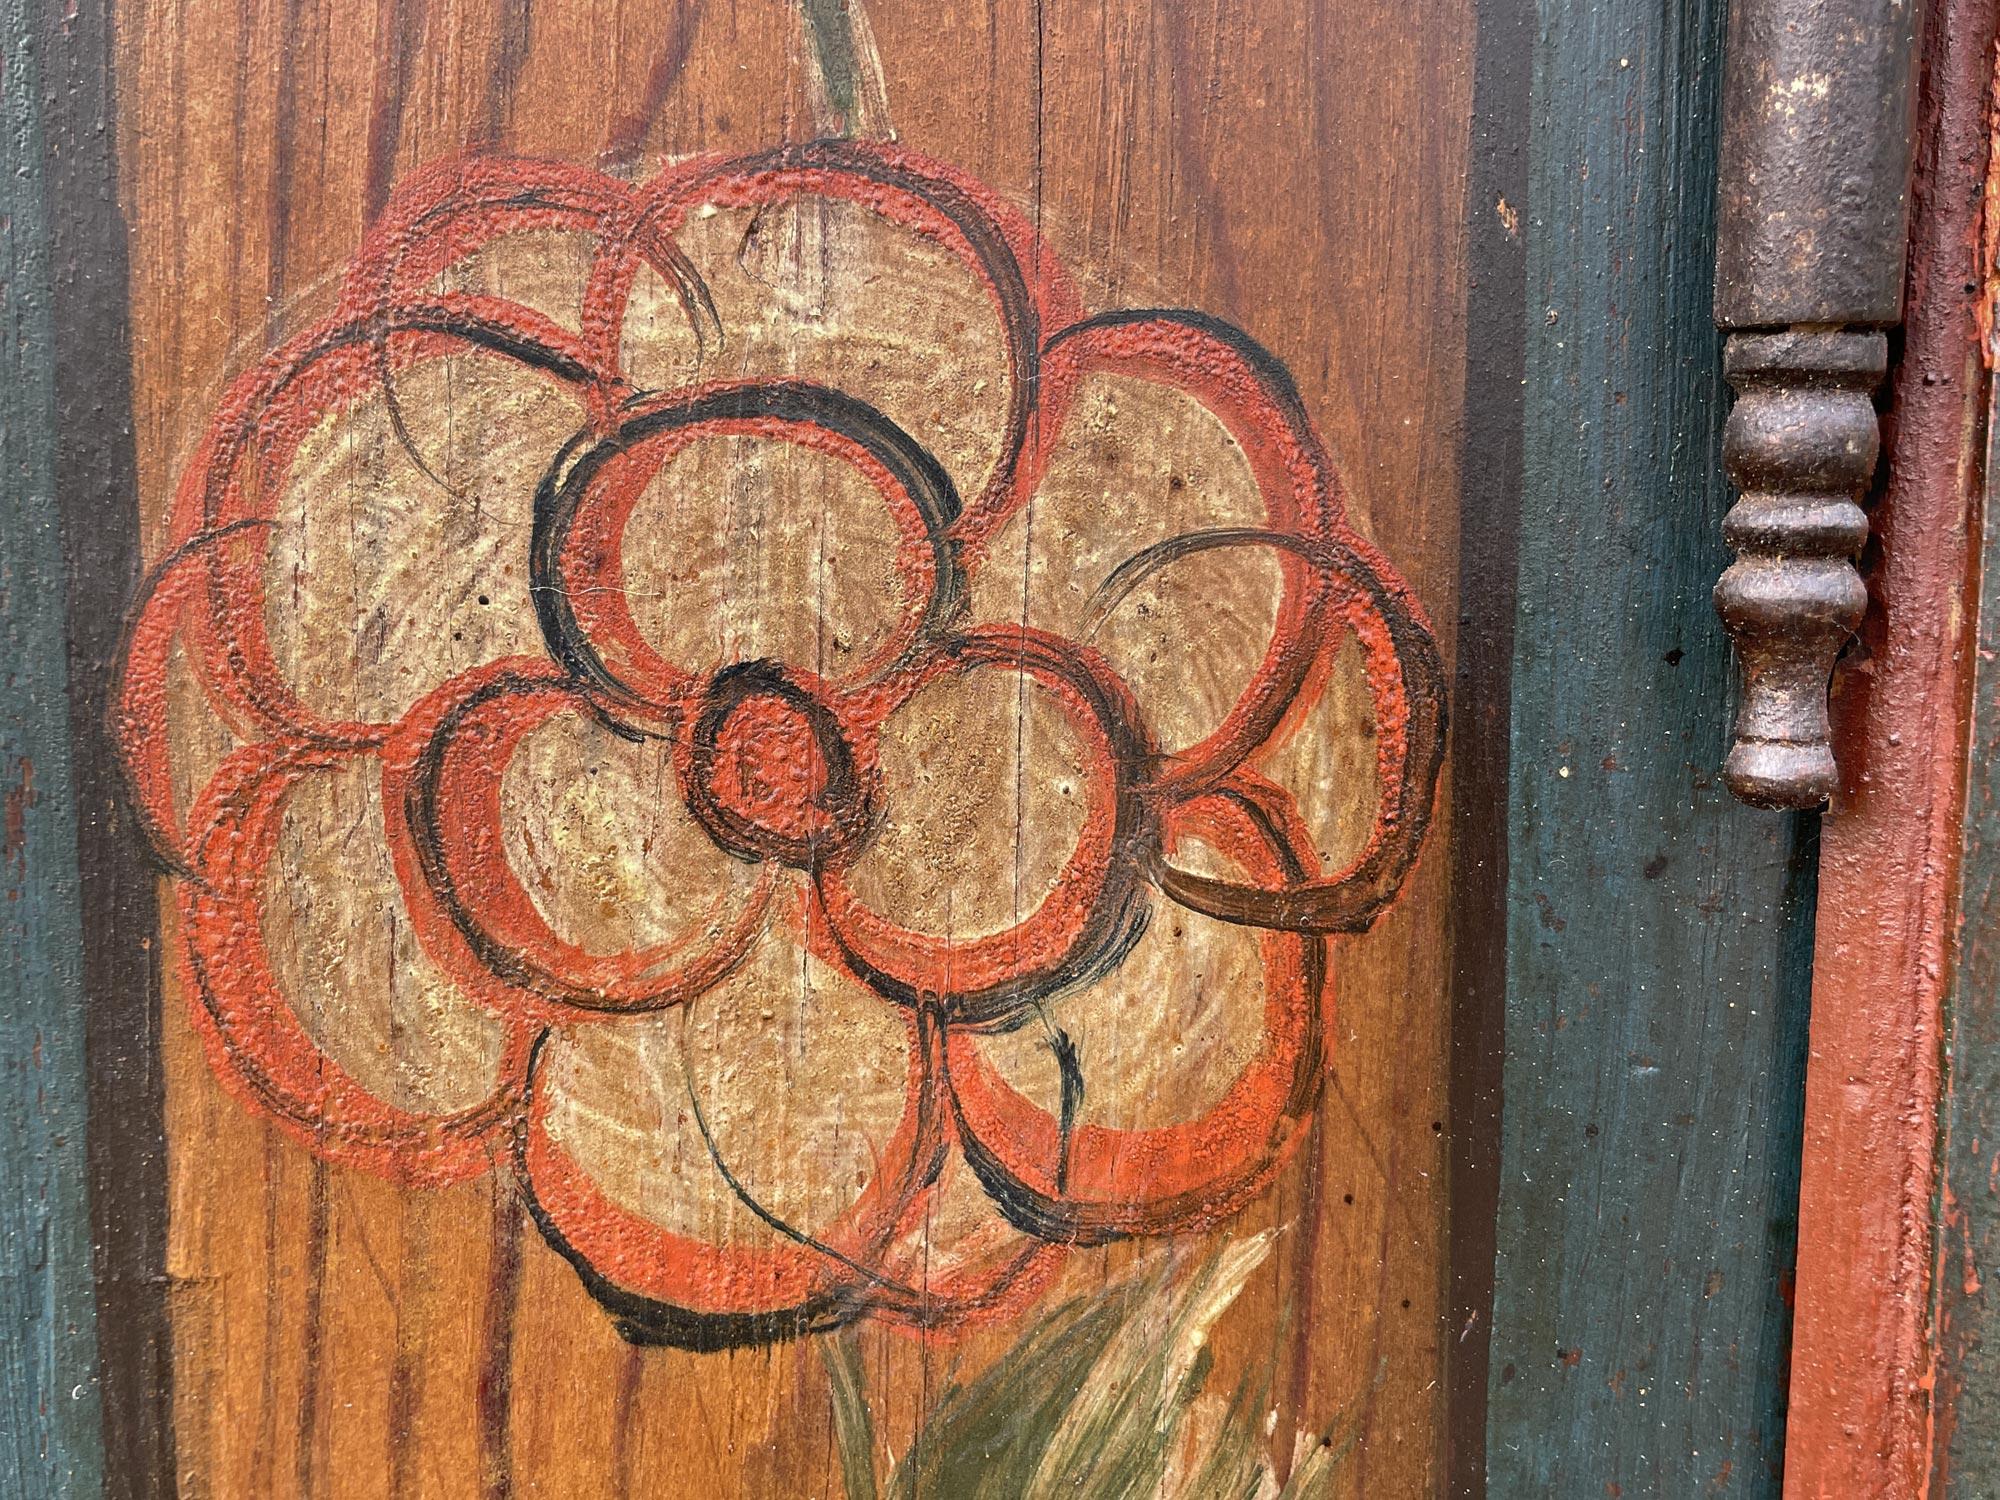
770, 770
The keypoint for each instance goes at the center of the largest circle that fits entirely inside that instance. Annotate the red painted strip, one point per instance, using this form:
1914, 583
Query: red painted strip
1862, 1421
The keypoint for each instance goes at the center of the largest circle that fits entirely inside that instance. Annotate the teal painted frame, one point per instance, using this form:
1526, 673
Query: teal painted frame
1658, 935
51, 1440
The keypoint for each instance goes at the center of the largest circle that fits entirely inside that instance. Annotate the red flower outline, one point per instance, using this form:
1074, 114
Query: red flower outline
813, 797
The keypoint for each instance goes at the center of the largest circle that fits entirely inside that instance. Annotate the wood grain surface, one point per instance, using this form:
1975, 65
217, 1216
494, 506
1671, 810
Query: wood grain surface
1297, 169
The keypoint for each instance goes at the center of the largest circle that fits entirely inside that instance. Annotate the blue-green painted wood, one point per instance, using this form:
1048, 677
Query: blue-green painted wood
1968, 1459
50, 1433
1658, 934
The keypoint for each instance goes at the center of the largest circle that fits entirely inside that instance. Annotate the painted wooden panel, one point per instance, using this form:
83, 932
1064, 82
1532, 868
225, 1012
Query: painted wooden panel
1512, 1217
518, 1089
1943, 524
1657, 934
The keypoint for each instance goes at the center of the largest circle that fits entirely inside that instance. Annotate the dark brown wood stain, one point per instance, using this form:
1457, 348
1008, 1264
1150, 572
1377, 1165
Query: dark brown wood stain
1490, 469
496, 1376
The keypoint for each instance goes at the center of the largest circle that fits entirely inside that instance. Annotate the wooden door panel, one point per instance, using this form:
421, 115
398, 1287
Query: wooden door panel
1297, 170
317, 1182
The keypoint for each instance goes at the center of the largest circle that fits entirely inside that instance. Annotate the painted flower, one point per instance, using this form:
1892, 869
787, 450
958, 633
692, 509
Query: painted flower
735, 700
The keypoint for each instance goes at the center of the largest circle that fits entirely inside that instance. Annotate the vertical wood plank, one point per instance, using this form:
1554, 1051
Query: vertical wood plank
50, 1443
1894, 1385
98, 494
1965, 1463
1657, 932
1194, 156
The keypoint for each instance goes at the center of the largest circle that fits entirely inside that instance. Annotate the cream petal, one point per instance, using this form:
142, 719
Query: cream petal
383, 580
828, 292
987, 786
345, 959
600, 839
546, 269
1161, 1038
801, 1077
1328, 765
1139, 463
747, 548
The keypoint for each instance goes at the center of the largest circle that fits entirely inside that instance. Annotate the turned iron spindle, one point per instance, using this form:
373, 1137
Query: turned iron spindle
1813, 213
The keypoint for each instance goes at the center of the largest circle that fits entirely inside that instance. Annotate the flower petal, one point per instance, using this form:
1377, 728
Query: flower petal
994, 241
478, 870
1085, 1182
1405, 680
399, 553
1140, 463
964, 1265
311, 997
823, 290
1042, 935
1253, 398
243, 475
586, 585
732, 1171
511, 226
170, 735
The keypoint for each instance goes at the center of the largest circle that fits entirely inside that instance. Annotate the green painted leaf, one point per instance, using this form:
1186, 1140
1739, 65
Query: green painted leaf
1233, 1467
984, 1440
853, 1427
1093, 1403
1118, 1438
